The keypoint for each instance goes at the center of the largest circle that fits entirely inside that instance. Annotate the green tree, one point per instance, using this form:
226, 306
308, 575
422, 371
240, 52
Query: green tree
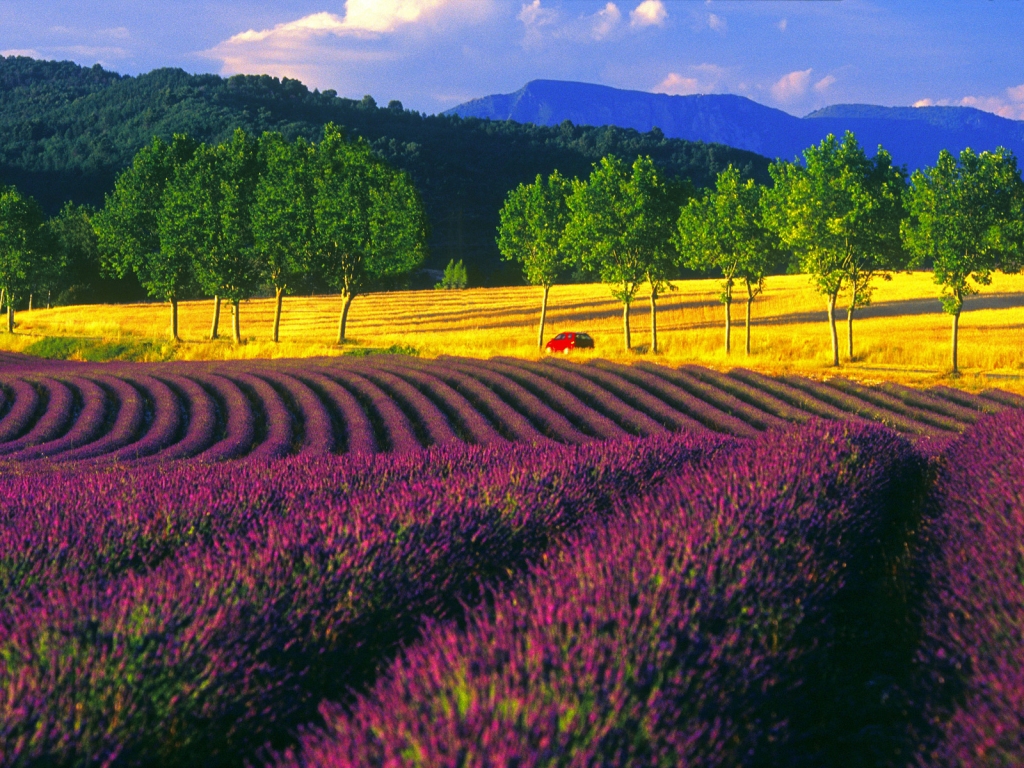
368, 221
282, 216
75, 256
455, 277
965, 218
838, 212
533, 221
620, 229
128, 226
22, 247
724, 231
207, 215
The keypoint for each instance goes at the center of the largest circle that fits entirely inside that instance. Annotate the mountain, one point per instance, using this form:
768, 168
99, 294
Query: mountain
913, 135
66, 131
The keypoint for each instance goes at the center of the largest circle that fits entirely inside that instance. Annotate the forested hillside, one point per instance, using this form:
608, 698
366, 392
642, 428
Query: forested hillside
66, 131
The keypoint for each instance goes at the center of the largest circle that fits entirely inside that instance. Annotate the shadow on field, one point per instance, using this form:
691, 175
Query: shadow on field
905, 308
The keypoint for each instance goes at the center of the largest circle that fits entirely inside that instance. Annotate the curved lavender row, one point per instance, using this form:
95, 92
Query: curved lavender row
606, 402
507, 419
239, 420
720, 399
237, 644
201, 426
125, 427
796, 397
549, 422
472, 423
681, 400
396, 426
932, 402
165, 424
5, 401
55, 419
427, 415
756, 398
23, 411
966, 399
358, 431
855, 405
277, 420
89, 426
896, 405
718, 625
585, 418
317, 426
1003, 398
971, 659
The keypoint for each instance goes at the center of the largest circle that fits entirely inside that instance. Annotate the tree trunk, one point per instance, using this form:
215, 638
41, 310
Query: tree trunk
849, 331
3, 294
654, 321
750, 301
279, 297
625, 325
236, 331
47, 299
543, 317
215, 326
10, 316
30, 302
728, 325
174, 320
832, 327
343, 321
956, 329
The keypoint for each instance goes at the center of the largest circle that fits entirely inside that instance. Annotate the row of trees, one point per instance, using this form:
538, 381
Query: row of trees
841, 217
227, 221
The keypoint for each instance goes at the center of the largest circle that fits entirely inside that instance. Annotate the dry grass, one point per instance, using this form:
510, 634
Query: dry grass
904, 336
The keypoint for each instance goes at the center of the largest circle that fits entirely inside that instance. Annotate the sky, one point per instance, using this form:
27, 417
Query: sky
796, 55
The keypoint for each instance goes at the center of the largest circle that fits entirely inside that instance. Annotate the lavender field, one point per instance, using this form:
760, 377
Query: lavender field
392, 561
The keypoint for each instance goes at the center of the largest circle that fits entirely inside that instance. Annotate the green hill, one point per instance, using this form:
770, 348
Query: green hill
66, 131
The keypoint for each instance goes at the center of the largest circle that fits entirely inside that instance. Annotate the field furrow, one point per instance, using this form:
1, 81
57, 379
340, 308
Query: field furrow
393, 429
89, 425
23, 404
234, 414
311, 415
56, 414
275, 434
128, 407
354, 429
858, 407
166, 423
756, 398
426, 418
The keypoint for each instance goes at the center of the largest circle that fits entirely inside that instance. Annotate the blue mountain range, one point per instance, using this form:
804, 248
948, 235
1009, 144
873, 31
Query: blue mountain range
912, 135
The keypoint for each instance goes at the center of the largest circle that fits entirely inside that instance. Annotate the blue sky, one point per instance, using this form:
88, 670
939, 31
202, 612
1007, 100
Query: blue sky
433, 54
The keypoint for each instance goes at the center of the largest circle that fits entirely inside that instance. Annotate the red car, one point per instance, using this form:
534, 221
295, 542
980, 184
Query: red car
564, 342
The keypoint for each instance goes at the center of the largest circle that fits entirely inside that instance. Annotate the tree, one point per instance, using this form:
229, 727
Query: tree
206, 214
533, 221
368, 222
455, 277
22, 247
838, 213
965, 217
75, 255
724, 231
282, 216
128, 226
620, 228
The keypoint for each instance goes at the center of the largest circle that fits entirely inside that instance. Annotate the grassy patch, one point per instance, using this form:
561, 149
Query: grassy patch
97, 350
394, 349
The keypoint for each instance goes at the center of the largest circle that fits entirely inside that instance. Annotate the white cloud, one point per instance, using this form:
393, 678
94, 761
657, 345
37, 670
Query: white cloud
717, 23
823, 85
792, 86
1016, 93
605, 21
702, 78
1011, 107
534, 15
782, 25
30, 52
650, 13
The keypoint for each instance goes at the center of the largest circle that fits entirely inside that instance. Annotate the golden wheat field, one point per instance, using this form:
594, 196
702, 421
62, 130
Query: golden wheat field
904, 335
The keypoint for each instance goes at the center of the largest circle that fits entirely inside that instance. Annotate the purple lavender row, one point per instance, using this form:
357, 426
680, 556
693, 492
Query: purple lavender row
358, 431
476, 428
236, 412
165, 424
395, 424
635, 396
207, 657
314, 418
483, 399
927, 401
585, 418
125, 427
627, 417
548, 421
276, 419
54, 420
897, 405
720, 399
794, 396
972, 651
201, 426
89, 425
859, 407
756, 398
681, 400
966, 399
722, 623
1003, 398
428, 417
